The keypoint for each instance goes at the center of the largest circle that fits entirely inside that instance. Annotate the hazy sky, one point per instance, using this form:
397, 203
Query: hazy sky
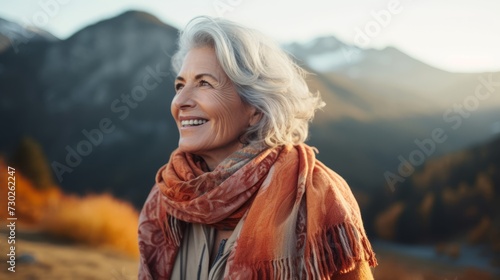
455, 35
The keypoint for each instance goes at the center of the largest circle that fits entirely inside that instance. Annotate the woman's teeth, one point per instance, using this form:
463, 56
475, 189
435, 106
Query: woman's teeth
192, 122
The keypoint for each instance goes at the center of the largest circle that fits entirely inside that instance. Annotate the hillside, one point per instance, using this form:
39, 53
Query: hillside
42, 257
452, 198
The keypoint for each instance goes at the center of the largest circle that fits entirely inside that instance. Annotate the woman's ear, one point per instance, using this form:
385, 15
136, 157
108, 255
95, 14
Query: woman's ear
255, 116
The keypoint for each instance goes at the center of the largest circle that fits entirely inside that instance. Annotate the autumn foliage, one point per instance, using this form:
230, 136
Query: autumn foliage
96, 220
30, 202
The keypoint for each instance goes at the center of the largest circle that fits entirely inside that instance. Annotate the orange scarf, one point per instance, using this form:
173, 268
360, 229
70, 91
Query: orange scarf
300, 218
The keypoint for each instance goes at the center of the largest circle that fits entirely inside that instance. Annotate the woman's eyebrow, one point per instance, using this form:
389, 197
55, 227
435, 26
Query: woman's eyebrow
197, 77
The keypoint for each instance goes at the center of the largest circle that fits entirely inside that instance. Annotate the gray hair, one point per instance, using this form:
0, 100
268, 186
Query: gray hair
265, 77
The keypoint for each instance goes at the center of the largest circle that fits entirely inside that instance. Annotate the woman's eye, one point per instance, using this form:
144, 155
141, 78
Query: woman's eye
178, 87
204, 83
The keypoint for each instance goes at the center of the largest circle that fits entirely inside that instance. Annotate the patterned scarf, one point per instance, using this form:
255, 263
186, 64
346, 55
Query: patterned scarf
300, 218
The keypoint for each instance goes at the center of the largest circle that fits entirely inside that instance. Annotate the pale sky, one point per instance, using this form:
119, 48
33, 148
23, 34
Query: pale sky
455, 35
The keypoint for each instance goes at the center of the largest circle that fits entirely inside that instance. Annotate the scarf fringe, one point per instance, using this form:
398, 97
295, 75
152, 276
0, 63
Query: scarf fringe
338, 249
335, 249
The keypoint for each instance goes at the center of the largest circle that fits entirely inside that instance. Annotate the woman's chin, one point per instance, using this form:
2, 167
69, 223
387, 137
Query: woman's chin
187, 149
191, 148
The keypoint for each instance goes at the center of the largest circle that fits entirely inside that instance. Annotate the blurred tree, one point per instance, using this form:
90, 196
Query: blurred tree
485, 186
30, 160
385, 222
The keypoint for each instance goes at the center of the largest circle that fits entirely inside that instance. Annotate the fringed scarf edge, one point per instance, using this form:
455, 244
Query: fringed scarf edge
336, 249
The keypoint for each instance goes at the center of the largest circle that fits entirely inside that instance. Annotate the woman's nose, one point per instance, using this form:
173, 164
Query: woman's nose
184, 98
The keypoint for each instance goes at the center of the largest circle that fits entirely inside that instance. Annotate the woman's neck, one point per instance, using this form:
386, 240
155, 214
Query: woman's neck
213, 159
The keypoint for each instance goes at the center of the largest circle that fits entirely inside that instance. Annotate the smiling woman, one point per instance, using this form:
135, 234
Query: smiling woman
243, 197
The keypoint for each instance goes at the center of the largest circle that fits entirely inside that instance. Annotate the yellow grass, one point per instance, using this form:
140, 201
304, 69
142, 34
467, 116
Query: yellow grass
97, 220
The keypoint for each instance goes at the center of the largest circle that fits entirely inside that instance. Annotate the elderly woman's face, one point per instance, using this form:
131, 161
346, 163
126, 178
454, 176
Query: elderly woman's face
208, 111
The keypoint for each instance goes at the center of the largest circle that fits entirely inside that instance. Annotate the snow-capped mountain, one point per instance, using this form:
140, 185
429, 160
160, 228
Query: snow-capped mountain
325, 54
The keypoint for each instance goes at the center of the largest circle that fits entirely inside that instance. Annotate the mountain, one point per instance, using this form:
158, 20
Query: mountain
16, 36
99, 104
380, 102
64, 90
388, 82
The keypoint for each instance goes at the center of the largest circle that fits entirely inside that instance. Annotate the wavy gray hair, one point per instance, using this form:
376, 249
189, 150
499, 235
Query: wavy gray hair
265, 77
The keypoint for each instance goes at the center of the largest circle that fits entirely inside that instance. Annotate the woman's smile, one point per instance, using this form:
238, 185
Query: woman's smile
187, 122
